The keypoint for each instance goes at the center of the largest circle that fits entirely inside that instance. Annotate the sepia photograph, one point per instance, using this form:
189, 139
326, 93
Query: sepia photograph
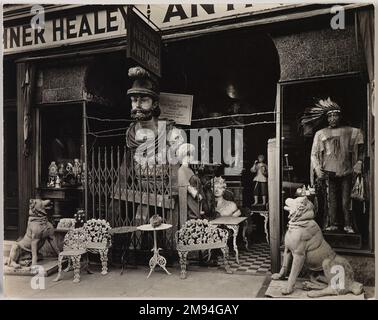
188, 151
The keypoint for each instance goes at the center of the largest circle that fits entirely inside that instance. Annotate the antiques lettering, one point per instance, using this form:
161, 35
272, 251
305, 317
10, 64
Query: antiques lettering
144, 43
145, 49
177, 10
144, 37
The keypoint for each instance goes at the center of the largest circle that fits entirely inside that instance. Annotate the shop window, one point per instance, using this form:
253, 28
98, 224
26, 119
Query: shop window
61, 141
350, 93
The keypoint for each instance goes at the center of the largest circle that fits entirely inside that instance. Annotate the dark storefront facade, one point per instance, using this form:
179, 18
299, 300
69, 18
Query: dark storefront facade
270, 62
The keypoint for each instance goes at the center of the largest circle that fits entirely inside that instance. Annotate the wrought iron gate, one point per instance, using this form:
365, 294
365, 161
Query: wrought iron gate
127, 193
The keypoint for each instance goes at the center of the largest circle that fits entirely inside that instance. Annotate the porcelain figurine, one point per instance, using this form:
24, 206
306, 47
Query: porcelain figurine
69, 177
77, 170
61, 170
53, 173
57, 182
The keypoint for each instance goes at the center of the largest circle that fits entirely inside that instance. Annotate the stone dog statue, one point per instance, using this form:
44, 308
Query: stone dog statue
38, 230
305, 245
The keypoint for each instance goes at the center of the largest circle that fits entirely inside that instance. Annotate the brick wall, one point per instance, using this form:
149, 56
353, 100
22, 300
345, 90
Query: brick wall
319, 53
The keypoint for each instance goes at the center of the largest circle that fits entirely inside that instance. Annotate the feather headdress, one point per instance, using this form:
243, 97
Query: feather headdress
315, 115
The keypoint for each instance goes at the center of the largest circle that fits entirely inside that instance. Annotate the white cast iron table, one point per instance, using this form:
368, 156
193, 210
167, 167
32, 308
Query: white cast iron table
156, 259
231, 223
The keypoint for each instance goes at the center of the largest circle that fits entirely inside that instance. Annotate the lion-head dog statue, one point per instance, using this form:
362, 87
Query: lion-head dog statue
38, 231
305, 246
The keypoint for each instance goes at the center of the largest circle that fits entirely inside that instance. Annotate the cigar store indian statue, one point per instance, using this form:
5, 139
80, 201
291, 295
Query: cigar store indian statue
149, 140
336, 159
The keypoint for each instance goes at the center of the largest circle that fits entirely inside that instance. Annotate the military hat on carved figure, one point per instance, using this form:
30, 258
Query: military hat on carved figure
143, 83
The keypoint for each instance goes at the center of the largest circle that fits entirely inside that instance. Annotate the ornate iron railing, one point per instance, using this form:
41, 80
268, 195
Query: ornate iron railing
125, 193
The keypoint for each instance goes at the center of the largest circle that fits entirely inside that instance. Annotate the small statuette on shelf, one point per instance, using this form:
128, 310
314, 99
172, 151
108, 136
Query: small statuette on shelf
57, 182
53, 169
77, 170
53, 173
69, 178
51, 182
61, 170
69, 168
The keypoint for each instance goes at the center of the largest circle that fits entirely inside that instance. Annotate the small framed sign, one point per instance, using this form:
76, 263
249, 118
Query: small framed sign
177, 107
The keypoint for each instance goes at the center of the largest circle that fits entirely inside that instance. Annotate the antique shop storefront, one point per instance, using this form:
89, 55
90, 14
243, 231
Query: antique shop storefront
67, 94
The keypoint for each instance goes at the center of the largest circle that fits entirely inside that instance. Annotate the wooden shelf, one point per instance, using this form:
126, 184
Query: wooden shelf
61, 189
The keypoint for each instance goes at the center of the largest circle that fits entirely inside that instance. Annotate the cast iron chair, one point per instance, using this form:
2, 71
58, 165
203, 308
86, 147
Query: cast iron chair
99, 242
198, 235
74, 247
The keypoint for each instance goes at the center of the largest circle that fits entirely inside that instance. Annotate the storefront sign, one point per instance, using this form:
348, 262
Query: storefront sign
143, 43
175, 15
112, 23
70, 29
177, 107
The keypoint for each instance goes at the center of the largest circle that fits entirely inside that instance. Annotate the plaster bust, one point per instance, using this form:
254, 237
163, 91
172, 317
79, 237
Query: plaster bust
224, 207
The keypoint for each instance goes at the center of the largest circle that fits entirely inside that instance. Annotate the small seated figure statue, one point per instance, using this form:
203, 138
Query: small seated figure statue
224, 208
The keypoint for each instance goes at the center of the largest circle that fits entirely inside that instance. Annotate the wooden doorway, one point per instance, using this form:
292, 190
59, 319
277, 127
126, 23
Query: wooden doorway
10, 171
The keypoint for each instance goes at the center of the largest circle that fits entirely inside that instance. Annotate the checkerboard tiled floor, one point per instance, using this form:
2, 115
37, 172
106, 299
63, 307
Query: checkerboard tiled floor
254, 261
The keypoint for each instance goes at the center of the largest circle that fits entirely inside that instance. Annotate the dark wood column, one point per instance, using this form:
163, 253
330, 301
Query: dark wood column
26, 165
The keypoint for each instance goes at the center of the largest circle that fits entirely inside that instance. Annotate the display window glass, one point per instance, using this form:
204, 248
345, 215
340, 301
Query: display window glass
61, 146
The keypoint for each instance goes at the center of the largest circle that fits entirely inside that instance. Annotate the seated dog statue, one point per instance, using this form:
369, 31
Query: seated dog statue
38, 230
305, 246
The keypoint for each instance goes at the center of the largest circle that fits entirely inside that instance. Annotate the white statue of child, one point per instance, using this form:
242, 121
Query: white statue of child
261, 180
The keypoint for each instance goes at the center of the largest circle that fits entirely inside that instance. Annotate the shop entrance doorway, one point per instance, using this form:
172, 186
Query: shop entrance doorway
11, 214
10, 174
349, 91
233, 78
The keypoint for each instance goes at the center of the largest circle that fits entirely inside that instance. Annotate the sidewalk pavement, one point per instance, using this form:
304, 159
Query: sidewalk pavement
134, 284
